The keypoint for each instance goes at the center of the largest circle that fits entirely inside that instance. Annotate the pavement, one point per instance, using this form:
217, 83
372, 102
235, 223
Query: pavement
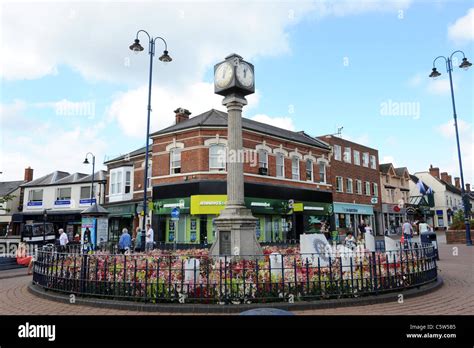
455, 297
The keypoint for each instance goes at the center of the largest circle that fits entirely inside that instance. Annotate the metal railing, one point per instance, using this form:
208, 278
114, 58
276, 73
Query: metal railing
199, 278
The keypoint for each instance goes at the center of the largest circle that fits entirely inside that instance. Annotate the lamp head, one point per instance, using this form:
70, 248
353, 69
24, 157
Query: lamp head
136, 47
435, 73
465, 64
165, 58
86, 161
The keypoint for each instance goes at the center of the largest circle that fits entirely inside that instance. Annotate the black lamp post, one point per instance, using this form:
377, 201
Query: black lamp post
86, 161
136, 47
434, 74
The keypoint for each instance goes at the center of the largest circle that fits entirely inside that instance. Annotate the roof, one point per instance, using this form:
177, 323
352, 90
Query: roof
450, 187
64, 178
7, 187
137, 152
401, 171
95, 209
216, 118
385, 167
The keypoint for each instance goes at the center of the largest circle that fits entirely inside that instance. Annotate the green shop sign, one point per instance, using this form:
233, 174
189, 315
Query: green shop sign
165, 206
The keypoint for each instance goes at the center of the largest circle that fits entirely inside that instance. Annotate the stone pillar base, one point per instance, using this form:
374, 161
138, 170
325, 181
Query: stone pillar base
235, 234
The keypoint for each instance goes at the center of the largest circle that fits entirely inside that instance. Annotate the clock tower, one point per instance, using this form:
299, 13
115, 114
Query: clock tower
235, 227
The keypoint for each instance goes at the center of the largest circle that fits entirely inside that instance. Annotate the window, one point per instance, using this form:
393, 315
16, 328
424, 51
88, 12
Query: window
347, 154
217, 154
113, 186
357, 157
128, 178
337, 152
309, 170
349, 185
295, 168
376, 190
280, 165
373, 162
85, 192
175, 161
322, 172
358, 187
262, 159
339, 184
119, 182
365, 159
63, 193
367, 188
387, 179
35, 195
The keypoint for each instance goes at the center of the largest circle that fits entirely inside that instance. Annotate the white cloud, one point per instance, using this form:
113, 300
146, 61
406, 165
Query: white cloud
440, 87
466, 137
342, 8
463, 29
282, 122
415, 80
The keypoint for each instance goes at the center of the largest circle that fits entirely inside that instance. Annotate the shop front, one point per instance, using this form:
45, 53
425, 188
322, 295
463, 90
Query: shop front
121, 216
393, 218
349, 216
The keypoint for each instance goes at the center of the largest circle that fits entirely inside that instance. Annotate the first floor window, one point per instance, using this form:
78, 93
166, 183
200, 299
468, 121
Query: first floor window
85, 192
322, 172
309, 170
262, 159
35, 195
337, 152
359, 187
64, 193
280, 165
376, 190
295, 168
339, 184
349, 185
118, 183
128, 178
367, 188
217, 154
175, 161
113, 186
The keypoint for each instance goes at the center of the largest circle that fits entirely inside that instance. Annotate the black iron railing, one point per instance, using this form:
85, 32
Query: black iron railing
164, 276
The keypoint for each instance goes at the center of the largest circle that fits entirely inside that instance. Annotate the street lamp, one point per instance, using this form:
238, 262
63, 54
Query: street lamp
136, 47
434, 74
86, 161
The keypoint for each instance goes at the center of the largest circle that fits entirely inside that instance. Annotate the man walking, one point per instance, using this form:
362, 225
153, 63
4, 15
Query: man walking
407, 231
149, 237
63, 240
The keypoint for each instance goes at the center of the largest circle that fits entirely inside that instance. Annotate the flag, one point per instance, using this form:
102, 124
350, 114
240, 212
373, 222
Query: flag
421, 187
429, 191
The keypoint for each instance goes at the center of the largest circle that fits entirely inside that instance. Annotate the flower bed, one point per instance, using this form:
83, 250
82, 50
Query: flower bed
192, 276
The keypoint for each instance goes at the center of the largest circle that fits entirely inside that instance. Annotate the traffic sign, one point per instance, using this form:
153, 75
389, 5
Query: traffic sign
175, 213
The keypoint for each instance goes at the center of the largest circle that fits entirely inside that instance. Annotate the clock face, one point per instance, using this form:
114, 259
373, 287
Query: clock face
223, 75
245, 74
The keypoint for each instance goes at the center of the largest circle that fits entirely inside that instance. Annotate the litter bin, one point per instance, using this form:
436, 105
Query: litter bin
427, 238
266, 311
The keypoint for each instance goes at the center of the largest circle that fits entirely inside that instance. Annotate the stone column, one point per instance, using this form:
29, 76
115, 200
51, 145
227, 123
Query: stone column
235, 235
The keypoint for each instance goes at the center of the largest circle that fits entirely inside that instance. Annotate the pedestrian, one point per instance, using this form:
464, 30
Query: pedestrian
63, 240
149, 237
423, 227
125, 242
368, 229
361, 227
407, 231
22, 257
138, 240
350, 241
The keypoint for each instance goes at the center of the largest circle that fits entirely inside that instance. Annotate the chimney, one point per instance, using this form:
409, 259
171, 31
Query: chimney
450, 179
468, 187
457, 183
444, 177
434, 171
181, 115
28, 174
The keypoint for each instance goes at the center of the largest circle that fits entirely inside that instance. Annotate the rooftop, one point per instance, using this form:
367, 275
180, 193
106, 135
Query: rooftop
64, 178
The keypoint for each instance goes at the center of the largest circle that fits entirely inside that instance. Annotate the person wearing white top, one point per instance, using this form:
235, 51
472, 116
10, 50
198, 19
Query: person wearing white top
63, 240
149, 237
423, 227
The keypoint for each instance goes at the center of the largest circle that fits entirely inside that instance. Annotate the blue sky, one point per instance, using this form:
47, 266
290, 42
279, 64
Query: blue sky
318, 66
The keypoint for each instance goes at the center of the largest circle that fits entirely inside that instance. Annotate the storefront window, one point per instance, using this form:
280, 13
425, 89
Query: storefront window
316, 223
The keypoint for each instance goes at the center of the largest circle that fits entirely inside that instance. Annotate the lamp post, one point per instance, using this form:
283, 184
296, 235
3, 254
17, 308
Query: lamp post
86, 161
136, 47
434, 74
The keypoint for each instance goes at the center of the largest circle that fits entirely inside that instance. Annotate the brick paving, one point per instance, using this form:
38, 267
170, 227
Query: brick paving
454, 297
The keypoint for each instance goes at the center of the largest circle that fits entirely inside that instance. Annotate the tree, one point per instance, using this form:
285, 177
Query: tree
6, 199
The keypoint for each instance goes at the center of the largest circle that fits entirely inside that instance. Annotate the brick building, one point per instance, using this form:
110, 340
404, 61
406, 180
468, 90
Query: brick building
355, 179
188, 170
